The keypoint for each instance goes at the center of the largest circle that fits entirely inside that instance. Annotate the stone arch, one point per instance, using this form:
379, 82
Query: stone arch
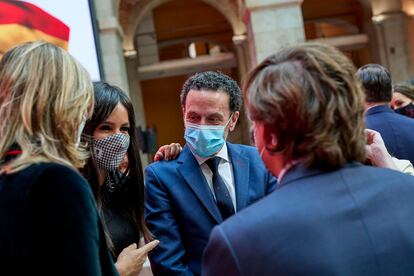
228, 10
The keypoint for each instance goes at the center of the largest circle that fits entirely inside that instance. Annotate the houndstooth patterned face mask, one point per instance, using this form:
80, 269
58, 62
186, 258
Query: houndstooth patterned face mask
110, 151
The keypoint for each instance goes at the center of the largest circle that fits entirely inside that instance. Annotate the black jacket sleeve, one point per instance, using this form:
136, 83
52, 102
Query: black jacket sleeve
64, 225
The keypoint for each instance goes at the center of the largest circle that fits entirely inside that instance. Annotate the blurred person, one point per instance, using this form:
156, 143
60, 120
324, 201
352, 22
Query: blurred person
329, 215
395, 129
402, 99
49, 223
114, 171
210, 180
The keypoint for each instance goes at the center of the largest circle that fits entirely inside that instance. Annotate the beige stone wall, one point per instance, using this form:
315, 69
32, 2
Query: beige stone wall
393, 44
275, 24
110, 36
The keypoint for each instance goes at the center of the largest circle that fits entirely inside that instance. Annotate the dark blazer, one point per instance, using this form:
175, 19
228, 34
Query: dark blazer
358, 220
181, 210
396, 130
49, 224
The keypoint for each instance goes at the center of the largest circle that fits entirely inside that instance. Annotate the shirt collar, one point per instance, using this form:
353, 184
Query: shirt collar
375, 106
287, 167
222, 153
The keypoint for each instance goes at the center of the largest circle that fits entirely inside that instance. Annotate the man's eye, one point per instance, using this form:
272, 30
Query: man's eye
192, 118
215, 120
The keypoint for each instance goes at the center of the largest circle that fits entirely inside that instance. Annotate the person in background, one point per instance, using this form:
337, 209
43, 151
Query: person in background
49, 224
395, 129
329, 215
377, 153
210, 180
114, 172
402, 99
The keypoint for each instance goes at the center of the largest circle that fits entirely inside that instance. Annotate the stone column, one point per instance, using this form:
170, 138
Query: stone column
274, 24
136, 98
135, 90
242, 132
242, 53
393, 44
146, 41
110, 37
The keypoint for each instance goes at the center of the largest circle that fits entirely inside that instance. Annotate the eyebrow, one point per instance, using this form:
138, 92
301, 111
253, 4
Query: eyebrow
111, 123
216, 115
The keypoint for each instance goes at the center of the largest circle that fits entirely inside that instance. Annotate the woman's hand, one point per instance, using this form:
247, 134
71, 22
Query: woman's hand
131, 259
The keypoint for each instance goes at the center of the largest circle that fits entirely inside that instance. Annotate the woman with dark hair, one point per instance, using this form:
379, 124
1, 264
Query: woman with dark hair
119, 188
402, 99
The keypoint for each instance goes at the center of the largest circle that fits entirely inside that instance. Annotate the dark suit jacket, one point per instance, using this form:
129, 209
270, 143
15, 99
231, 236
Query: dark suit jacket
358, 220
49, 224
396, 130
181, 210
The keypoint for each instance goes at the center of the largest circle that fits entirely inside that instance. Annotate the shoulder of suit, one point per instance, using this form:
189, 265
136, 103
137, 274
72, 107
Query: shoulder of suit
56, 177
244, 148
52, 170
162, 164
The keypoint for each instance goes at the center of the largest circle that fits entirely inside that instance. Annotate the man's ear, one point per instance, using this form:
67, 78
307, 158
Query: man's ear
270, 139
183, 109
233, 121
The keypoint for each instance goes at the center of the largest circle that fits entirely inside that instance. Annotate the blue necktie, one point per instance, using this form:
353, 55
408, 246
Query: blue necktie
223, 198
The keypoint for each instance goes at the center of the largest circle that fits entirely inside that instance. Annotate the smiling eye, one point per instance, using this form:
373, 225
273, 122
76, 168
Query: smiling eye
192, 118
104, 128
125, 129
214, 120
398, 103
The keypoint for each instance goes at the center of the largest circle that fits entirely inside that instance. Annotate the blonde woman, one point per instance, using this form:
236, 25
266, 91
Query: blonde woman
49, 224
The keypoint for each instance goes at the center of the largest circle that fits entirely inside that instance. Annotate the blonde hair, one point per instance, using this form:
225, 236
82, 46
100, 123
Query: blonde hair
45, 94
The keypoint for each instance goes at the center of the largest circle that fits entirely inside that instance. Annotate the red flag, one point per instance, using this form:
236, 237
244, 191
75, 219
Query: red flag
21, 21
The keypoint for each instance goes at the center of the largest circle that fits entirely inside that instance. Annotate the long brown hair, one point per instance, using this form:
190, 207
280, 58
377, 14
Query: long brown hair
405, 89
309, 98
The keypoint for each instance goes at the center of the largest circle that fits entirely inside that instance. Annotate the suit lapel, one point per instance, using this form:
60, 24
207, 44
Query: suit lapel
241, 171
191, 172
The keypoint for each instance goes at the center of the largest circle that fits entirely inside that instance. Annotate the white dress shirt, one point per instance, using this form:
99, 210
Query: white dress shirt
225, 170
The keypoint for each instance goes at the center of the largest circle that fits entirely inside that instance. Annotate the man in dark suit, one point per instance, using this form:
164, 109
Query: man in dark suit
395, 129
210, 181
329, 215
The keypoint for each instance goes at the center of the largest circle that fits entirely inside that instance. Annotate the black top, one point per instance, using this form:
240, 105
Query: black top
49, 224
118, 214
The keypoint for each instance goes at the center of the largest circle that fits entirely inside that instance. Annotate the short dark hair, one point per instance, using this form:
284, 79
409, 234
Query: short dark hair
214, 81
377, 83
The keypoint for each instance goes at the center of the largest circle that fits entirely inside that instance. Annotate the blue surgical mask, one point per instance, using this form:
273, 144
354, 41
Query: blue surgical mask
205, 140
